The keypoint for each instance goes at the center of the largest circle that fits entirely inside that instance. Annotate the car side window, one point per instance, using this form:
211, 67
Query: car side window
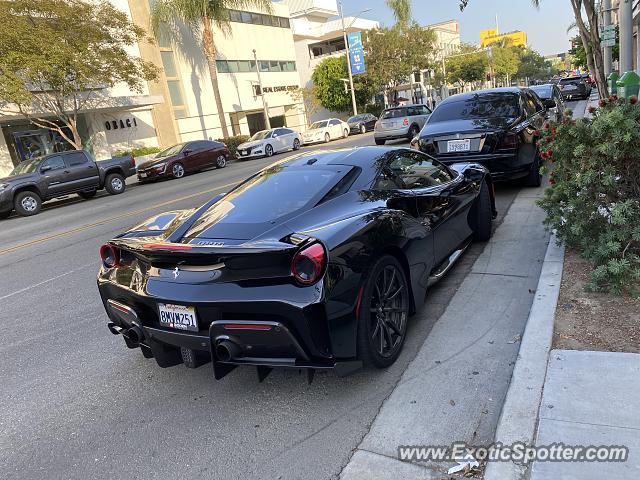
56, 163
412, 170
424, 110
280, 131
413, 111
76, 158
334, 122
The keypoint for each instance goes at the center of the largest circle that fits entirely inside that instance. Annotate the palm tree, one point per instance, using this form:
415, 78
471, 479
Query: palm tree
202, 14
401, 10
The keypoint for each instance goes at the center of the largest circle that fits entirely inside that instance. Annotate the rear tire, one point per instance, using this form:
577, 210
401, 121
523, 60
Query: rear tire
384, 313
221, 161
380, 141
483, 215
27, 203
87, 195
534, 179
345, 134
114, 184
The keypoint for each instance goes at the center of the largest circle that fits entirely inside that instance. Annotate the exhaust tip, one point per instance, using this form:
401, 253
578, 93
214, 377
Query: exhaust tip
135, 335
227, 350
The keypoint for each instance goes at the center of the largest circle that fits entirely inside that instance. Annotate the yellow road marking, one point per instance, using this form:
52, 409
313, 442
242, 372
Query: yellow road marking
108, 220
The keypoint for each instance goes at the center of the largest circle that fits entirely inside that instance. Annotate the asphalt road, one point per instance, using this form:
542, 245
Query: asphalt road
77, 404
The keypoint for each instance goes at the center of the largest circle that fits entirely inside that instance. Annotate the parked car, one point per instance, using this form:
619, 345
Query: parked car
316, 262
326, 130
400, 122
363, 123
552, 100
574, 87
495, 128
267, 142
33, 182
180, 159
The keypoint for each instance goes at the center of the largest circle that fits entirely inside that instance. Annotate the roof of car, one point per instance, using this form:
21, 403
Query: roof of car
473, 94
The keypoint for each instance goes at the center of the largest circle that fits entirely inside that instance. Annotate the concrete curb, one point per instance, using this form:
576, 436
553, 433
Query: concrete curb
519, 415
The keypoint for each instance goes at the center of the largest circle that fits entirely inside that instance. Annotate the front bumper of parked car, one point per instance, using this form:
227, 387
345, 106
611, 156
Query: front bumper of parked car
251, 152
153, 172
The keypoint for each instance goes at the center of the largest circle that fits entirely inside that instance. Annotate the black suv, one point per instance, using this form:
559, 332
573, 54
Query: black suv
574, 87
55, 175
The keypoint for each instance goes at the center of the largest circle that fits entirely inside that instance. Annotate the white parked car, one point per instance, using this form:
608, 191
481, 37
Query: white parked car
267, 142
326, 130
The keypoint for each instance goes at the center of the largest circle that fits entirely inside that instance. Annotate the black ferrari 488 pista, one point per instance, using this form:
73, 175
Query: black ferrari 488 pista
315, 262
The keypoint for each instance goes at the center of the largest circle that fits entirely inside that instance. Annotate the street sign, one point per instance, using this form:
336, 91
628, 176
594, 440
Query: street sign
356, 53
608, 32
610, 42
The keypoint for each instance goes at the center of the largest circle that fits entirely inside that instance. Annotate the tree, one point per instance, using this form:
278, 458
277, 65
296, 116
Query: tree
401, 11
533, 66
58, 57
505, 61
200, 15
394, 54
467, 66
329, 87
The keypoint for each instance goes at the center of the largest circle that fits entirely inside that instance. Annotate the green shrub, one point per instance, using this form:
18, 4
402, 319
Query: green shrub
233, 142
138, 152
594, 198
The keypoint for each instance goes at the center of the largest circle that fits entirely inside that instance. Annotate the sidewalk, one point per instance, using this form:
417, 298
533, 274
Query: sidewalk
453, 389
583, 398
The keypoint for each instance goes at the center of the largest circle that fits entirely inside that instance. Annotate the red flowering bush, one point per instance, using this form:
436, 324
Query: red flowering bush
594, 199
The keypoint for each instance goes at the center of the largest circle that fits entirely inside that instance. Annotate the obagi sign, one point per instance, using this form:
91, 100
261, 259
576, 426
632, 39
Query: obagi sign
356, 53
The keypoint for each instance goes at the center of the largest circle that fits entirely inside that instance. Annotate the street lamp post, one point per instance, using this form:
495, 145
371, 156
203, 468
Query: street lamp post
264, 102
346, 44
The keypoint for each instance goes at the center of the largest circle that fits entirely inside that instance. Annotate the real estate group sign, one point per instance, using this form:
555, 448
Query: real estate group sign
356, 53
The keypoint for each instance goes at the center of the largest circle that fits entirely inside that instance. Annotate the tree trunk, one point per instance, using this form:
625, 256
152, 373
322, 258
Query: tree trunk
599, 73
210, 53
589, 48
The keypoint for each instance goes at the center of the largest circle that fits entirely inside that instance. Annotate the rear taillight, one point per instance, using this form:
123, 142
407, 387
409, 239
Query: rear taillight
510, 140
405, 122
308, 264
110, 255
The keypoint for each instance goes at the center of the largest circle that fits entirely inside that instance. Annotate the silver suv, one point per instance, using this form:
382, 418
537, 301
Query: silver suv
400, 122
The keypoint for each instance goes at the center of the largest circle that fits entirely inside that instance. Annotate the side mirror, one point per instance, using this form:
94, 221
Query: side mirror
45, 168
550, 103
275, 135
186, 152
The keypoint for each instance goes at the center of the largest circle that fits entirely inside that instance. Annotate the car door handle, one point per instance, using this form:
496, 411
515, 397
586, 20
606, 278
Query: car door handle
67, 171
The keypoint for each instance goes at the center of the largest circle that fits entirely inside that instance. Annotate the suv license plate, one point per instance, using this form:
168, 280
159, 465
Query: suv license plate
178, 317
458, 145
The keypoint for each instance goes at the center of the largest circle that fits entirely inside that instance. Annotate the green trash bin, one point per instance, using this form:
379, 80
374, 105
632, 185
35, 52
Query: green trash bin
628, 85
612, 80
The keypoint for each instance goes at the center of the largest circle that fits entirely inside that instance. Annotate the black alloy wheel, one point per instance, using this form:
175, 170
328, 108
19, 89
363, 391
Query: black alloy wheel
384, 314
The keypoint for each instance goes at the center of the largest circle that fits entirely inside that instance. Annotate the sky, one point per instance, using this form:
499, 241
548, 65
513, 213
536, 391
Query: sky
546, 27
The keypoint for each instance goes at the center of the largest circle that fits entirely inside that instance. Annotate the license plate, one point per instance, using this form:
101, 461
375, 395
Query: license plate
458, 145
143, 175
178, 317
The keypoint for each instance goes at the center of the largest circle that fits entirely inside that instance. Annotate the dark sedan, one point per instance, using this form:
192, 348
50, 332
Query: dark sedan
574, 88
496, 128
552, 100
315, 262
180, 159
363, 123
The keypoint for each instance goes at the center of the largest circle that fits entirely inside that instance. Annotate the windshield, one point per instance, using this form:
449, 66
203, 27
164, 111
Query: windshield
261, 135
170, 151
357, 118
321, 124
543, 91
394, 113
487, 106
28, 166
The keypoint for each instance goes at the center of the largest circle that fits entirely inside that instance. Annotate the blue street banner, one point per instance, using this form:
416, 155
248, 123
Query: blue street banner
356, 53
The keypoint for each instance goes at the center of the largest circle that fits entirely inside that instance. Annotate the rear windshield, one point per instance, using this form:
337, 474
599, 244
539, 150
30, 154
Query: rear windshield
394, 113
274, 193
543, 92
504, 105
573, 80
